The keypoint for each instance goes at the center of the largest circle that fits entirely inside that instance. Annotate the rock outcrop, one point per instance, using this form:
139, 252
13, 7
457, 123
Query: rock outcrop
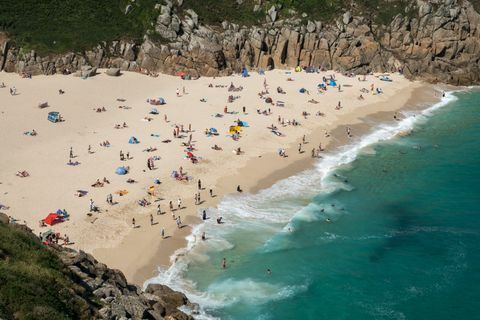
439, 43
104, 293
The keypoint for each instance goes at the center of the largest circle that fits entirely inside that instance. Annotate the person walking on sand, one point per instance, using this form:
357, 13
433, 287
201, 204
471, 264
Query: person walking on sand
71, 152
133, 223
171, 206
179, 203
204, 215
151, 219
89, 149
199, 184
92, 205
211, 193
159, 211
163, 233
179, 222
177, 92
299, 148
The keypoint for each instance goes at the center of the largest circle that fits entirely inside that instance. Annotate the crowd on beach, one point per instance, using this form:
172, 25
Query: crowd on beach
184, 133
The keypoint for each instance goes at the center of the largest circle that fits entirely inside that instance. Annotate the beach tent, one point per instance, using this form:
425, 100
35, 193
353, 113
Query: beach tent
45, 235
54, 116
302, 90
261, 72
213, 130
310, 70
298, 69
52, 219
153, 111
121, 171
268, 100
332, 83
161, 101
386, 78
245, 73
133, 140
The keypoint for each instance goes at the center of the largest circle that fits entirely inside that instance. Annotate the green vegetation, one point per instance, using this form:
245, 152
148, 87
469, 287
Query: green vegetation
32, 284
53, 26
216, 11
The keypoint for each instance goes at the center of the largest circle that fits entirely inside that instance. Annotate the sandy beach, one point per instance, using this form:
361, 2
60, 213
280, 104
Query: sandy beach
53, 184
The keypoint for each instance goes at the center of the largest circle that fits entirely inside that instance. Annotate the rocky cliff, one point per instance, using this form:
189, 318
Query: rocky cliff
438, 40
52, 282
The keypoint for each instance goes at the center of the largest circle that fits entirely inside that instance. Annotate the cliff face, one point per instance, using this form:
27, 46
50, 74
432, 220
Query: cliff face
440, 42
51, 282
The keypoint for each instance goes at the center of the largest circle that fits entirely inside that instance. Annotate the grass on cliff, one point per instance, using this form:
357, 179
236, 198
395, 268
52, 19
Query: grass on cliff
216, 11
32, 285
56, 26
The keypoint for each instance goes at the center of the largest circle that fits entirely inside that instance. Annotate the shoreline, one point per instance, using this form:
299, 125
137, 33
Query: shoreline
419, 98
108, 235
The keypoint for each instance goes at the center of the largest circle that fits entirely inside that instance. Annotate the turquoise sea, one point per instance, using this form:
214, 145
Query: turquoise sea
387, 228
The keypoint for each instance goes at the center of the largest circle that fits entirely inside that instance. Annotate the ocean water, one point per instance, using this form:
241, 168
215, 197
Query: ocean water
387, 228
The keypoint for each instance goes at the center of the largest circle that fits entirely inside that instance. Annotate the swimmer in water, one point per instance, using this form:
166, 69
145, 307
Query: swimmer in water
224, 263
328, 220
269, 272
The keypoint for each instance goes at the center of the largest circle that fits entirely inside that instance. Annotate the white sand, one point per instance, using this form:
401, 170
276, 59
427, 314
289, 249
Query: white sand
52, 184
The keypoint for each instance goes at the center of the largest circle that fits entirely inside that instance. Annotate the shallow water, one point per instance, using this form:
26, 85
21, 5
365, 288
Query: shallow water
402, 241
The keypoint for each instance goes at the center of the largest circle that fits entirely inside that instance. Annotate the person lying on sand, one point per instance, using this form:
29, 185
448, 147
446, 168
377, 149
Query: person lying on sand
130, 180
215, 147
97, 184
22, 174
143, 202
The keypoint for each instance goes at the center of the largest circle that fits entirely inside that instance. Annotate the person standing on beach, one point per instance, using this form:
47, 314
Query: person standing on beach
204, 237
71, 153
199, 184
299, 148
151, 219
211, 193
159, 211
179, 203
224, 263
163, 233
204, 215
133, 223
92, 205
89, 149
171, 206
177, 92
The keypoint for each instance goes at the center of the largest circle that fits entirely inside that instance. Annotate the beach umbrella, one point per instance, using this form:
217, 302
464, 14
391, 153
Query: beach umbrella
213, 130
189, 154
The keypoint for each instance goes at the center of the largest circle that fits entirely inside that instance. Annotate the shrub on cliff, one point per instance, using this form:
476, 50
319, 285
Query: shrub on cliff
32, 282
